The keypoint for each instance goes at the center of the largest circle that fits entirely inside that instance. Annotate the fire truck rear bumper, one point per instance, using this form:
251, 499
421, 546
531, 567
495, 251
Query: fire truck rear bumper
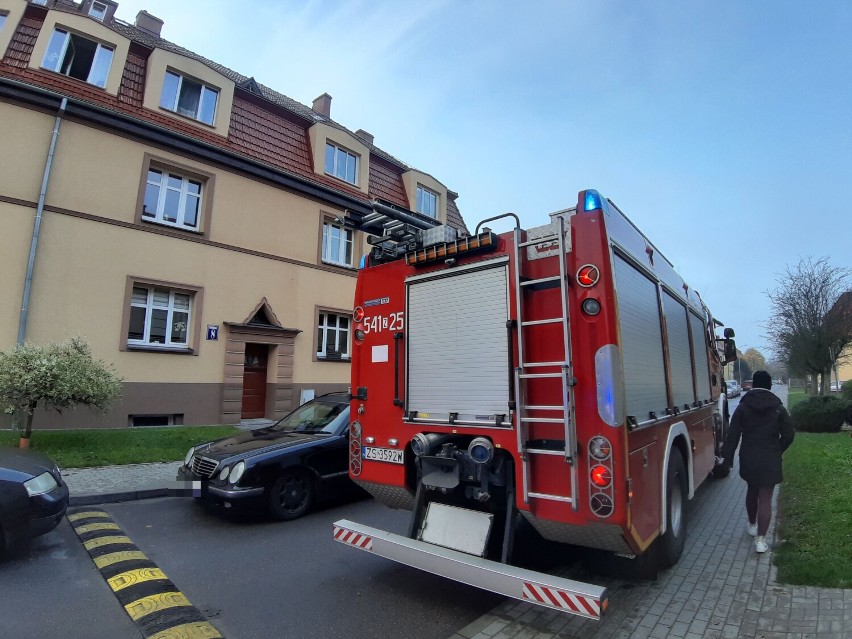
564, 595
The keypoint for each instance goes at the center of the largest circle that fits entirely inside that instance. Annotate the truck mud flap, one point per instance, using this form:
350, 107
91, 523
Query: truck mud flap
556, 593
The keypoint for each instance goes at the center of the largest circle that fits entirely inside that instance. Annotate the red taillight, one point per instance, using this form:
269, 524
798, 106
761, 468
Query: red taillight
588, 275
358, 314
600, 476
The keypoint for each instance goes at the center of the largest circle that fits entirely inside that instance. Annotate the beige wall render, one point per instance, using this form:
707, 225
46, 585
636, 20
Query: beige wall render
262, 242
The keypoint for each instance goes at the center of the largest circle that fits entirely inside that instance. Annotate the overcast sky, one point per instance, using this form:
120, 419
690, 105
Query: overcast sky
722, 128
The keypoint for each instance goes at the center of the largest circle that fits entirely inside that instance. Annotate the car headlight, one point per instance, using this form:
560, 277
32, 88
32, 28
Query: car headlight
40, 485
223, 475
237, 472
188, 459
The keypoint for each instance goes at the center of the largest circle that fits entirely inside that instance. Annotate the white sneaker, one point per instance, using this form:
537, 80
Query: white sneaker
760, 545
751, 529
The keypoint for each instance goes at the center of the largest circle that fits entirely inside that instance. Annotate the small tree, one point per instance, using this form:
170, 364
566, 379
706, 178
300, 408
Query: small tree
56, 376
807, 326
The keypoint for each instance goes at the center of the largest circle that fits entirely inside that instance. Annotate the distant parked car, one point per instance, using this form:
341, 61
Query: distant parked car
733, 388
282, 469
747, 385
33, 497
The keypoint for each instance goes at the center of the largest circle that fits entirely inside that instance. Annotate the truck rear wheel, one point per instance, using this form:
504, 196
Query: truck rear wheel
672, 542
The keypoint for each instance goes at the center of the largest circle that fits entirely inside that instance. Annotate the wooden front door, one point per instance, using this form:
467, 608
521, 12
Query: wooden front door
254, 381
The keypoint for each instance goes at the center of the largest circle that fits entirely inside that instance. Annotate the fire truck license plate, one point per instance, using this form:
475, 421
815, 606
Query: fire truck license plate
383, 454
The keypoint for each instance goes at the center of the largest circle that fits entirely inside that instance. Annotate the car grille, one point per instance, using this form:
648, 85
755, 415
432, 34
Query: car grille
204, 467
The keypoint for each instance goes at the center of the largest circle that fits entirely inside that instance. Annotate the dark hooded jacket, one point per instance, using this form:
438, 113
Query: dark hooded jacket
766, 431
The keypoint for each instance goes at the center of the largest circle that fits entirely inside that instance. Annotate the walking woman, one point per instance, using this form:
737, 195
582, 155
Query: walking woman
766, 431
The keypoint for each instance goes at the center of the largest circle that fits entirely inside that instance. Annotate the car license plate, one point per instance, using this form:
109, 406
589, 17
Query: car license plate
383, 454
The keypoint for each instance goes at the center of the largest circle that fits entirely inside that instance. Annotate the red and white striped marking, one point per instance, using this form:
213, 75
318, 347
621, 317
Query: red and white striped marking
561, 600
346, 536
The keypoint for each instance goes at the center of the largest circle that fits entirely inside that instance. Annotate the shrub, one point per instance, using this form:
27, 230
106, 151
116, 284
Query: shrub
823, 414
846, 391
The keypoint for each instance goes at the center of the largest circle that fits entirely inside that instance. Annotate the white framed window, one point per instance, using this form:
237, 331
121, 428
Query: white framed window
2, 20
189, 97
172, 199
333, 336
337, 244
78, 57
159, 317
427, 202
98, 11
341, 163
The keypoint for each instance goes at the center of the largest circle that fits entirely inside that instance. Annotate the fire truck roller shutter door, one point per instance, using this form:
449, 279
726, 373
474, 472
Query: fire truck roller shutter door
680, 357
702, 364
641, 341
457, 345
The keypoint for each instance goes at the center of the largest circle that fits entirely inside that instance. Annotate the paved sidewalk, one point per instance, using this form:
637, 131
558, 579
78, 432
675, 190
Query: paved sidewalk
120, 483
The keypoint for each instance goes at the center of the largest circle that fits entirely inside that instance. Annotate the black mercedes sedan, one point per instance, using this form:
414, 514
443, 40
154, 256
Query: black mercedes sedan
33, 497
284, 468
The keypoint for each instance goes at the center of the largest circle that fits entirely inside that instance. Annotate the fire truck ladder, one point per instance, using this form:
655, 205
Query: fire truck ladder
528, 373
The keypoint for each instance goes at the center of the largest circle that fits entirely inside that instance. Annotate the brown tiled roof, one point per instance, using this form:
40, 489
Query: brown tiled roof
454, 217
386, 184
255, 131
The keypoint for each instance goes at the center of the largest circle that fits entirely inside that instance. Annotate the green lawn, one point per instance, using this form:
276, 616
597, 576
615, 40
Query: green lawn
84, 448
815, 518
794, 396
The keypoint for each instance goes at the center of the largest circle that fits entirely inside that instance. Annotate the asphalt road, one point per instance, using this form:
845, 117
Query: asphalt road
51, 588
252, 578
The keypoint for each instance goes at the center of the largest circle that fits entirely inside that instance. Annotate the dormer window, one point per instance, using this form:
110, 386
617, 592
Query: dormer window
427, 202
189, 97
98, 11
78, 57
341, 163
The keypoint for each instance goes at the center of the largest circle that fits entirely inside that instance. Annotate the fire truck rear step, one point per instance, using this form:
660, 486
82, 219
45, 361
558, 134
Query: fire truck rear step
550, 320
556, 593
542, 283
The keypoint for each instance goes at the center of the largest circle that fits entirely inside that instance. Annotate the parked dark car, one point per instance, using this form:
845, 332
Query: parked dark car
284, 468
746, 385
33, 497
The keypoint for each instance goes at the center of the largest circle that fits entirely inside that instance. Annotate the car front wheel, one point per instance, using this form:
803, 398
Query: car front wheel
291, 495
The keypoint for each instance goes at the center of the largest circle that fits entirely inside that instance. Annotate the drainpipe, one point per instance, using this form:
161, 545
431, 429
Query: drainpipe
25, 304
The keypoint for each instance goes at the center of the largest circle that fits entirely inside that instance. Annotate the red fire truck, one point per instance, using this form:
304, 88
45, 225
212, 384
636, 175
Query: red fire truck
565, 374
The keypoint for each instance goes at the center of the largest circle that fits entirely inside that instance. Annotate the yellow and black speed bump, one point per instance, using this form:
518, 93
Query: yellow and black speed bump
151, 600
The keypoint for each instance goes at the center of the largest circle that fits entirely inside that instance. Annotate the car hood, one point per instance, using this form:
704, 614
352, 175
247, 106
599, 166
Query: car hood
255, 442
20, 465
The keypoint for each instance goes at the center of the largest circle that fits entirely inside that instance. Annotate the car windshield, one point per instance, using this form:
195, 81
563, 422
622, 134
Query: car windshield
316, 416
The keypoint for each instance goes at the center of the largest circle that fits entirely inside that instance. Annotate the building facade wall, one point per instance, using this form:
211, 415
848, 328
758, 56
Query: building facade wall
261, 242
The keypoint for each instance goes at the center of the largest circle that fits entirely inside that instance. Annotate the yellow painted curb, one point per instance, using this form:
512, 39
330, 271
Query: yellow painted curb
98, 526
196, 630
106, 541
86, 515
115, 557
133, 577
155, 603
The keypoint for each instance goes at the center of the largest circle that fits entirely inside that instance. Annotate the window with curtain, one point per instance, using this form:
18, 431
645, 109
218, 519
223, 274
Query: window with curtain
189, 98
159, 317
172, 199
341, 163
336, 244
333, 336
